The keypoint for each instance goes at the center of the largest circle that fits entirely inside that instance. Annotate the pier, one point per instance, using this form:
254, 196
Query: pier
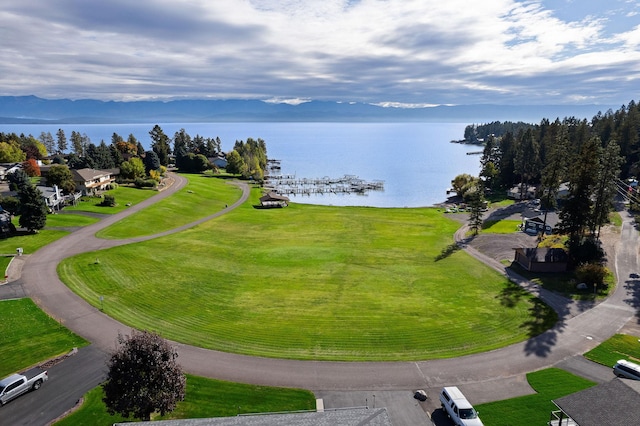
292, 185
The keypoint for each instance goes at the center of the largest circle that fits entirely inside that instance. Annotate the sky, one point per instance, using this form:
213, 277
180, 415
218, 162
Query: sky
400, 53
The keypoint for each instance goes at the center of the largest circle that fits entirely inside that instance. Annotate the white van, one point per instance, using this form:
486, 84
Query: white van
458, 408
627, 369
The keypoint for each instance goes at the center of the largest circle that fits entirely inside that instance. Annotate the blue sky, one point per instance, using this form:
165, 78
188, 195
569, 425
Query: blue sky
407, 53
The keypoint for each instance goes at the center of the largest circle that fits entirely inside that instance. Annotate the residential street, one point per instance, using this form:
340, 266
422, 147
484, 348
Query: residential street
482, 377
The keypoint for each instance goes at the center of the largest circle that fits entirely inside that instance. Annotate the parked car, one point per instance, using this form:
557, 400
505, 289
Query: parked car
628, 369
17, 384
457, 407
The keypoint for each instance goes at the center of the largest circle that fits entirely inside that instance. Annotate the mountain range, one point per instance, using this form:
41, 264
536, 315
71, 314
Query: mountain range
34, 110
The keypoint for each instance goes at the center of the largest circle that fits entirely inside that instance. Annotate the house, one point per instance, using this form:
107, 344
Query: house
8, 168
535, 222
220, 161
273, 199
522, 192
542, 259
616, 402
91, 181
52, 197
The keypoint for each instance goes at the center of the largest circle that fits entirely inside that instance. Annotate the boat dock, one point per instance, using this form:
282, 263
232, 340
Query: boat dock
292, 185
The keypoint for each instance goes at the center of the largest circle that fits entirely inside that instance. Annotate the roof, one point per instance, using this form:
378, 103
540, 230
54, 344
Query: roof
344, 417
612, 403
273, 196
89, 174
544, 254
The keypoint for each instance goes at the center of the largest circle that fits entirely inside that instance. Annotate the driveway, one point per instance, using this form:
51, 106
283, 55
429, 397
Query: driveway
483, 377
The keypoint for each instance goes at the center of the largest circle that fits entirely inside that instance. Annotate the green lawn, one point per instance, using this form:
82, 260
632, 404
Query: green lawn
506, 226
30, 242
29, 336
204, 398
203, 196
549, 384
4, 263
312, 282
68, 220
123, 194
620, 346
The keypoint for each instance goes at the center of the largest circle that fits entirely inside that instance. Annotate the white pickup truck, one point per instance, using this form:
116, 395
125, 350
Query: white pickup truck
17, 384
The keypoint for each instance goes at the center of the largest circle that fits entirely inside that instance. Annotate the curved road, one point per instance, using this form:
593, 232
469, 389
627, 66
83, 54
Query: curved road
580, 327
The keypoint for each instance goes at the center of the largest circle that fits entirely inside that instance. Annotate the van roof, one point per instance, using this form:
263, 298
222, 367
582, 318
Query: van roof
628, 364
458, 397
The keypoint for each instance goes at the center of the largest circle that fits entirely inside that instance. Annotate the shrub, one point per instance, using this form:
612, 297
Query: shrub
109, 200
591, 273
145, 183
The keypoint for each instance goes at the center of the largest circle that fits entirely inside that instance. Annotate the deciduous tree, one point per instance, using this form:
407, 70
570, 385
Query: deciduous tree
143, 377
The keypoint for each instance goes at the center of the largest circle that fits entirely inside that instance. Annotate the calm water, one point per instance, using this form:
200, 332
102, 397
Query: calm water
416, 161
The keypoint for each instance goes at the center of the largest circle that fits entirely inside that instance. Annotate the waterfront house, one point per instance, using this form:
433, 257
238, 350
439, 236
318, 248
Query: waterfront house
91, 181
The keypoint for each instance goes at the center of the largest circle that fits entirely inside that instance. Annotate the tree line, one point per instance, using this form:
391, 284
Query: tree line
587, 156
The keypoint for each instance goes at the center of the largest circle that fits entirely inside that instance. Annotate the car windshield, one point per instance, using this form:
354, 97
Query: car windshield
468, 413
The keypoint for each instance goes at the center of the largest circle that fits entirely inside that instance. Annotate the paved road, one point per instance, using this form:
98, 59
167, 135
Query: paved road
488, 376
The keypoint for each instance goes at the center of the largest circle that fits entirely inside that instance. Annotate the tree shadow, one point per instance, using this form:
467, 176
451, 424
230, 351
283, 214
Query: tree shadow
548, 313
447, 251
632, 287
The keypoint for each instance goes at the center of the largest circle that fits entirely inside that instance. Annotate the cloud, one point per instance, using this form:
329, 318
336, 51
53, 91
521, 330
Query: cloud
391, 52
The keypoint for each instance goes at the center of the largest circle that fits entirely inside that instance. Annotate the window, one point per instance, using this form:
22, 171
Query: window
468, 413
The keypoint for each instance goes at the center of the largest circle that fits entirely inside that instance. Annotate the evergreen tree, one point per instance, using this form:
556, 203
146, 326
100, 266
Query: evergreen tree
103, 159
605, 186
475, 206
33, 209
160, 145
151, 161
576, 212
77, 143
62, 141
47, 141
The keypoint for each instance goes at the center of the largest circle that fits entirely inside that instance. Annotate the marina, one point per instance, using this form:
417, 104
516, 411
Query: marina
293, 185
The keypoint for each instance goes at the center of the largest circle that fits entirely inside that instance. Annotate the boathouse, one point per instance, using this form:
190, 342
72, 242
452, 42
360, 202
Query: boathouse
273, 199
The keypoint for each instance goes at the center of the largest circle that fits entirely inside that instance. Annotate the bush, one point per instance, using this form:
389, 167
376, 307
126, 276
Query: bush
145, 183
591, 273
108, 201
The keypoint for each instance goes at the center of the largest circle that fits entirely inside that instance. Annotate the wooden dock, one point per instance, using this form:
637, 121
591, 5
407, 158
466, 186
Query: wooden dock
292, 185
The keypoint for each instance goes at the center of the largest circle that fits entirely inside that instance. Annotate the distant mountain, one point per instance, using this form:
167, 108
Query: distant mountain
33, 110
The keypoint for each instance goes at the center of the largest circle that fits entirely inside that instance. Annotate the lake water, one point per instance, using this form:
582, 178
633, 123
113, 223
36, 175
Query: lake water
416, 161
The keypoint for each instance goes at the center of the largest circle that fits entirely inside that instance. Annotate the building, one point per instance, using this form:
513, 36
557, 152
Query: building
542, 259
273, 199
610, 404
52, 197
363, 416
91, 181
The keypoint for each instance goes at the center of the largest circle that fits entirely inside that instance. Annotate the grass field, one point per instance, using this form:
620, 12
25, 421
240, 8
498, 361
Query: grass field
123, 194
29, 336
620, 346
204, 398
69, 220
535, 409
30, 242
506, 226
312, 282
204, 195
